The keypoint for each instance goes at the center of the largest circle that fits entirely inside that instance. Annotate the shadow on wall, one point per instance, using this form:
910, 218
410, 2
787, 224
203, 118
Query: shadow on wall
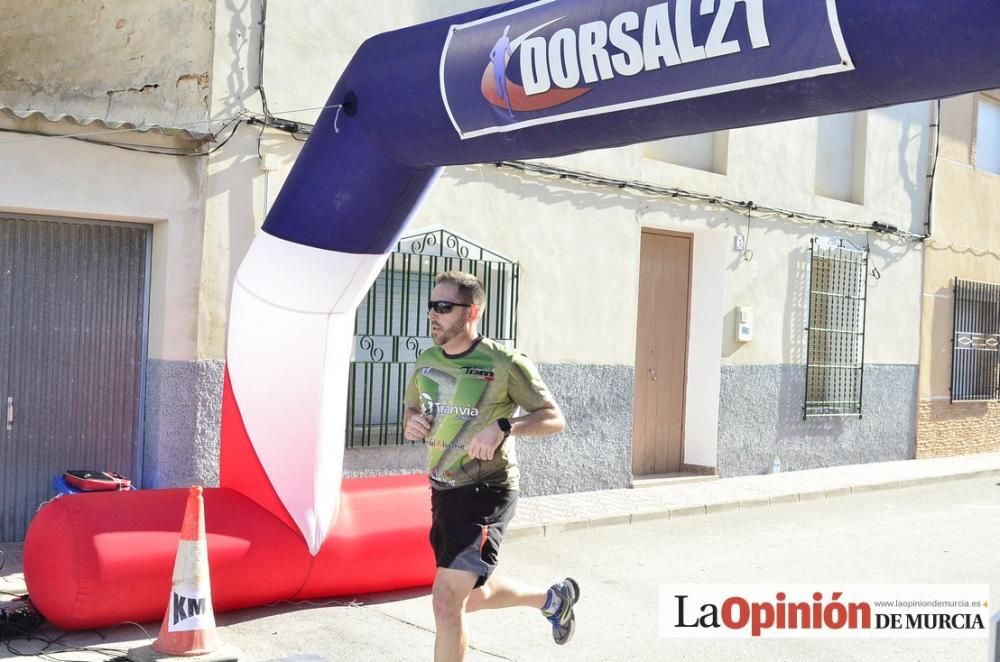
244, 47
794, 343
915, 184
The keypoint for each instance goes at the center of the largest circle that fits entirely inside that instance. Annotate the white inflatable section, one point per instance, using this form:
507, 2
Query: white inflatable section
291, 332
307, 279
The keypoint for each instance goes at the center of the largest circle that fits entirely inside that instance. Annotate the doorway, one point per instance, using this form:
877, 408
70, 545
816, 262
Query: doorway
661, 352
73, 311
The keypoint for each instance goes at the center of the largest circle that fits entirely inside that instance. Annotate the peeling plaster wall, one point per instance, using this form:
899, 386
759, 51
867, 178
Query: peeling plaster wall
117, 60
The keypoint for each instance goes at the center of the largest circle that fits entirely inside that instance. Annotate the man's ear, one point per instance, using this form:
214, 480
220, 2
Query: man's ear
475, 312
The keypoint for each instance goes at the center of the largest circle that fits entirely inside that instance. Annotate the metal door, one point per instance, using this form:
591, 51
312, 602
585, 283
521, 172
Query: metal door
73, 309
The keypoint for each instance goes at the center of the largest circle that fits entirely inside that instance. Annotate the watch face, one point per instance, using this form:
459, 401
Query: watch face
504, 424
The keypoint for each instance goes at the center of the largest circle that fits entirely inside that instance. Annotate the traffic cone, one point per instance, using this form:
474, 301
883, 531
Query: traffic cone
189, 624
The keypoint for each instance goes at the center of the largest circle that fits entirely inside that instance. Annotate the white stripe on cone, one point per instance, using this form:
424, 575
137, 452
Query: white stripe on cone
191, 597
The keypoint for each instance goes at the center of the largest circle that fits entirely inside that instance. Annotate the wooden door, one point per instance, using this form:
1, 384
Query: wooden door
661, 353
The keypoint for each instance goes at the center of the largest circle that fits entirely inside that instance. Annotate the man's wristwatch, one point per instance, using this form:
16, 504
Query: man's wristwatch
504, 425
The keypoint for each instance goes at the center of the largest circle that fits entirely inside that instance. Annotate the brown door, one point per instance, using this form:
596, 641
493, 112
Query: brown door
661, 353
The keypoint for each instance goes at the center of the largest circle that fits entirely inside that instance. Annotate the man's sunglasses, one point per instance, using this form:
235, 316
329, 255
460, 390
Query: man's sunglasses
444, 307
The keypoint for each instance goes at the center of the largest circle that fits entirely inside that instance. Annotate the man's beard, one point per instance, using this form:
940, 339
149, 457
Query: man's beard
444, 335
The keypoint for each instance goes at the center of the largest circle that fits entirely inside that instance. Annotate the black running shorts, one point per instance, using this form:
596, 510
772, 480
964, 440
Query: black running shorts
467, 525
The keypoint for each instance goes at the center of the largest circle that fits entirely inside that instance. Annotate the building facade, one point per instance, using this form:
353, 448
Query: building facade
959, 411
707, 304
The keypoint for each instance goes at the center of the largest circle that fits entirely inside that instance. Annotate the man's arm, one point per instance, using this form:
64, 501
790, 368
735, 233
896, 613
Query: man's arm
541, 422
527, 390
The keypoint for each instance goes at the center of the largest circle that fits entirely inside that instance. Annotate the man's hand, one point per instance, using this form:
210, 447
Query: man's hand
485, 443
417, 427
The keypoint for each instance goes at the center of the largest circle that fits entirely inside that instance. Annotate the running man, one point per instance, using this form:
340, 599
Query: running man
501, 51
461, 401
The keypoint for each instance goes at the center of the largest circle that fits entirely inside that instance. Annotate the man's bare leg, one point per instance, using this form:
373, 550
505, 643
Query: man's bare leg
449, 595
499, 593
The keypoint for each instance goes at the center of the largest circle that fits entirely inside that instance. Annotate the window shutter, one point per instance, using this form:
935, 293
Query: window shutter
988, 136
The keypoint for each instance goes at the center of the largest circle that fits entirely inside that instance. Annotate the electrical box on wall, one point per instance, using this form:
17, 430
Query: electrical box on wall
744, 323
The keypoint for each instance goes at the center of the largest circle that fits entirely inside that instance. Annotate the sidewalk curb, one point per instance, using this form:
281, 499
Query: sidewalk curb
546, 529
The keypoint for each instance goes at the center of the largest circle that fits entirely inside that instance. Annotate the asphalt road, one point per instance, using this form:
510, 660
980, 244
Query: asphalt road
942, 533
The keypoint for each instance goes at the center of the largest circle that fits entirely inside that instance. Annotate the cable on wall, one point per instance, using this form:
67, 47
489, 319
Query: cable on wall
736, 206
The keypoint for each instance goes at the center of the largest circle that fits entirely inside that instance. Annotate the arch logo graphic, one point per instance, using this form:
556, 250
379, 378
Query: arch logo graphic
561, 59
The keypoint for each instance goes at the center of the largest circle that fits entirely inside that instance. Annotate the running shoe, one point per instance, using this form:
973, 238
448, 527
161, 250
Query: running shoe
564, 621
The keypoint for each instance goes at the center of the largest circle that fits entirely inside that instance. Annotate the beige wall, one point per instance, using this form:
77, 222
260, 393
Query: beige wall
65, 178
585, 241
965, 243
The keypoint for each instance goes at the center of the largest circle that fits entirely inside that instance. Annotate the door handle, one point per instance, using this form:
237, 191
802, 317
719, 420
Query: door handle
10, 413
652, 374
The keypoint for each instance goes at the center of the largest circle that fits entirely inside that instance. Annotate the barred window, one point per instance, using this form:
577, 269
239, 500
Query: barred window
975, 360
838, 286
391, 327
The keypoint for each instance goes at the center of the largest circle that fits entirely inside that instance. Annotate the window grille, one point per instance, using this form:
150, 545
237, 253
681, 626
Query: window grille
975, 360
838, 285
391, 327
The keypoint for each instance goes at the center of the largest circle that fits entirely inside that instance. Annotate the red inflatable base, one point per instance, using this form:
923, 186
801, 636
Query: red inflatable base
95, 560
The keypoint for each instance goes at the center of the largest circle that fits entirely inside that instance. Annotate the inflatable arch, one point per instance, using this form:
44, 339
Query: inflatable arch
515, 81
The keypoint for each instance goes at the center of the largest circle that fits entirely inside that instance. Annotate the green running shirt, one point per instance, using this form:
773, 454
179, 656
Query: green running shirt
464, 394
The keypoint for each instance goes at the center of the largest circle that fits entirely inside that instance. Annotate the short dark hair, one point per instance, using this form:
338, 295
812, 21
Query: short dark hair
470, 288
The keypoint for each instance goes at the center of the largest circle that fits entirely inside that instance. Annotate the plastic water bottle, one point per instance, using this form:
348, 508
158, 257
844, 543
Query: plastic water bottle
776, 466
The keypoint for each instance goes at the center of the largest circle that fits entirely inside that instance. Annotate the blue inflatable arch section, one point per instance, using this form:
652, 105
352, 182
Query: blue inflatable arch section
518, 81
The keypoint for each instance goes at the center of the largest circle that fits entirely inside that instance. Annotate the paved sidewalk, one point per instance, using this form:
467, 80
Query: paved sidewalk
548, 515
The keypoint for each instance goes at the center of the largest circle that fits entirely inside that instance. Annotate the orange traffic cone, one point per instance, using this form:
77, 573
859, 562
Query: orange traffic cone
189, 624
